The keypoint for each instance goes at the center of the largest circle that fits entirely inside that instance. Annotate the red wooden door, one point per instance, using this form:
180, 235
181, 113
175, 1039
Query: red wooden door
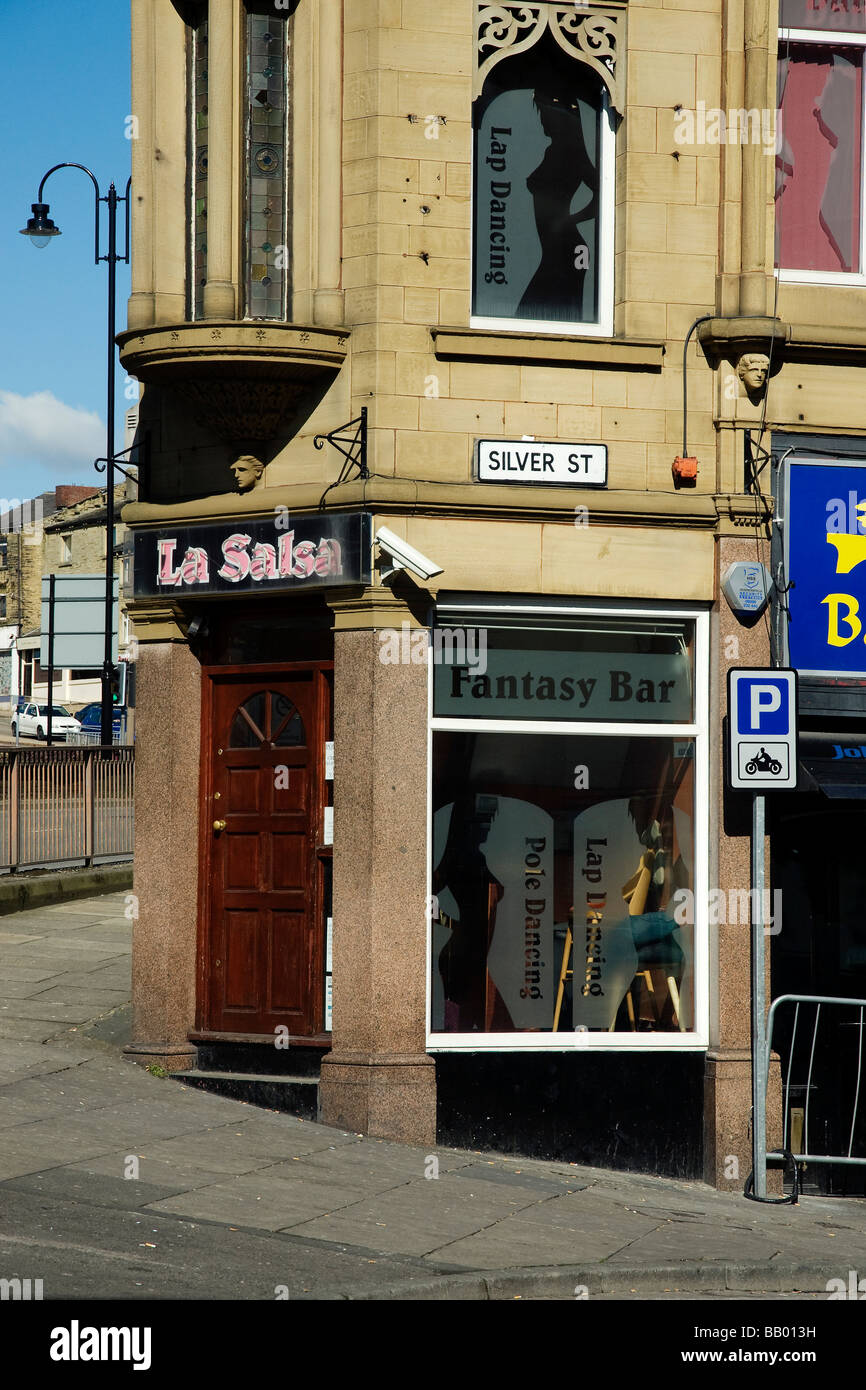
262, 944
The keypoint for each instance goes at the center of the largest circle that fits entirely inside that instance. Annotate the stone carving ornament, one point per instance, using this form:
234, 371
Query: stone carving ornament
753, 369
593, 37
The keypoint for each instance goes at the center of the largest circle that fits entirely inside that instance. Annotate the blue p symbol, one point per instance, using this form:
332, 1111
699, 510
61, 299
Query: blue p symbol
767, 714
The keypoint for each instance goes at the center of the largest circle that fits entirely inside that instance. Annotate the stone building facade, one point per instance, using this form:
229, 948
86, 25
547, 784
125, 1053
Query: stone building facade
36, 539
484, 247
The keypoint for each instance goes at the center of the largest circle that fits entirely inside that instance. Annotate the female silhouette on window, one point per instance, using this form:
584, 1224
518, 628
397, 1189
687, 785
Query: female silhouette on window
556, 289
471, 999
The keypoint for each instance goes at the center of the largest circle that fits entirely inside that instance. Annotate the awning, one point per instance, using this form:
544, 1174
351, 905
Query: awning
834, 763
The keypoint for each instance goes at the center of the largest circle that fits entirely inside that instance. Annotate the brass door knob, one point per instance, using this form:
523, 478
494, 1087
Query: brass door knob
219, 825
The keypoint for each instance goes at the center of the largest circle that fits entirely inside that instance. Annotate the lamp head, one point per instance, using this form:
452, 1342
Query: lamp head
40, 228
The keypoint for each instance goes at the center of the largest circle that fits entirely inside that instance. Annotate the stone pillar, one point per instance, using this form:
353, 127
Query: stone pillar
158, 148
728, 1075
166, 842
756, 274
168, 151
140, 307
220, 291
378, 1078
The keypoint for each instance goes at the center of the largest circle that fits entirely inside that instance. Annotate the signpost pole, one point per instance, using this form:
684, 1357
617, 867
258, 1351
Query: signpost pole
759, 1051
51, 581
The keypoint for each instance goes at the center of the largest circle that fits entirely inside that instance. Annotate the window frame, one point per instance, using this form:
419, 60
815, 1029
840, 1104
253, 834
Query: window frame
603, 328
850, 278
450, 609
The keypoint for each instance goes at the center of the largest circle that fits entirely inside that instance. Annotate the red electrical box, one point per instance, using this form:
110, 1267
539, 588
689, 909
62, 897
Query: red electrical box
685, 470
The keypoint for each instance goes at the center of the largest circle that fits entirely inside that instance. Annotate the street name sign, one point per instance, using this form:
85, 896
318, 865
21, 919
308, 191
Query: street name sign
533, 461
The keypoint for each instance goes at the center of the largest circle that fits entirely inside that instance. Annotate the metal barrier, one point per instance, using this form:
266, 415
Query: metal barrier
92, 738
839, 1061
63, 806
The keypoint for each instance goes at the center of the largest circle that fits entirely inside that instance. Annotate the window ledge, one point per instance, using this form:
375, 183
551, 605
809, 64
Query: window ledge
482, 345
819, 343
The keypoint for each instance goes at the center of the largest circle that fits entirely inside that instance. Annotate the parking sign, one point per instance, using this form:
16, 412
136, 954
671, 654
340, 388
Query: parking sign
762, 729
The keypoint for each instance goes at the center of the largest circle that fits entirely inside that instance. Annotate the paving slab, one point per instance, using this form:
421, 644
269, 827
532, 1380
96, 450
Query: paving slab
39, 1008
35, 1029
101, 1000
257, 1201
25, 973
418, 1219
23, 989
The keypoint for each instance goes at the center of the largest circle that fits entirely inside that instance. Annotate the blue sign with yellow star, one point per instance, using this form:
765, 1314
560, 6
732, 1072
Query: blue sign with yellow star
826, 567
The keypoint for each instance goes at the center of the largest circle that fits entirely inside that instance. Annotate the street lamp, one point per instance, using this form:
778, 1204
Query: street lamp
41, 229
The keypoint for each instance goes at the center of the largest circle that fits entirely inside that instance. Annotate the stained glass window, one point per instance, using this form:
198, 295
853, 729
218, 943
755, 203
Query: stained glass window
198, 173
267, 167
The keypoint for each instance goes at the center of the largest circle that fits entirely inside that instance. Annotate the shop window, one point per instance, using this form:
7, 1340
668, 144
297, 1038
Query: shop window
820, 147
568, 832
543, 191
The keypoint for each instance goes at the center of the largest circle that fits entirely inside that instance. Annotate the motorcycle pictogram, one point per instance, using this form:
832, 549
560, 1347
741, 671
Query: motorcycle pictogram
762, 762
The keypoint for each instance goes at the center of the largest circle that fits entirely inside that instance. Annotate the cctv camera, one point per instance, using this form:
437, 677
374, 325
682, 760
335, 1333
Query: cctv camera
404, 556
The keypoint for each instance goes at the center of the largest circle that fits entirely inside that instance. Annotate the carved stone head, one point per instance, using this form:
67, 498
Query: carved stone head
753, 369
248, 472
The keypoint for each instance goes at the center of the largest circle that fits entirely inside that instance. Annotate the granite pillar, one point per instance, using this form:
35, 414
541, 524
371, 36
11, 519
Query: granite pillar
166, 854
378, 1078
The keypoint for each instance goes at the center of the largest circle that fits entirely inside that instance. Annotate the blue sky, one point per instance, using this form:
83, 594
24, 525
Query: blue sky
64, 95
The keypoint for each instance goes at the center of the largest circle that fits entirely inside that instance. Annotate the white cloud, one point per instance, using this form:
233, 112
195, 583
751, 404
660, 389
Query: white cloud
41, 429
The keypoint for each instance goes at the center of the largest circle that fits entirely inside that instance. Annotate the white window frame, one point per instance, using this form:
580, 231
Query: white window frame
839, 39
698, 1039
606, 236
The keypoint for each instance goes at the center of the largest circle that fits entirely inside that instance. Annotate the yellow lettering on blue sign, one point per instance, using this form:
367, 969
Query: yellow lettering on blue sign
834, 603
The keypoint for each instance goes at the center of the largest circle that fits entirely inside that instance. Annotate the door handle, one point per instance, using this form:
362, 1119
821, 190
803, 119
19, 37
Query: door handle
219, 825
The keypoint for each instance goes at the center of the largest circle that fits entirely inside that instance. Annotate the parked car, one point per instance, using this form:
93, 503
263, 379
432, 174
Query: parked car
90, 718
33, 720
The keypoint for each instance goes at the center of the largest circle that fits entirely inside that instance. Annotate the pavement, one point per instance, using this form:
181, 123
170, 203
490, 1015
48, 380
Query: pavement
118, 1183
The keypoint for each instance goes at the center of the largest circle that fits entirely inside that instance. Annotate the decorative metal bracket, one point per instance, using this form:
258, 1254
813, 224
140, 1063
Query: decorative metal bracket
591, 36
100, 464
353, 447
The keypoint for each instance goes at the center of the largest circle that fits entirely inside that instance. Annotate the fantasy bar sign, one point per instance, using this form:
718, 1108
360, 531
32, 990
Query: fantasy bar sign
516, 684
253, 556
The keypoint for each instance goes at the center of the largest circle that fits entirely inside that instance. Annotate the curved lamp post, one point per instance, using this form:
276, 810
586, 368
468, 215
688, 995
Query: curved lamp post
41, 229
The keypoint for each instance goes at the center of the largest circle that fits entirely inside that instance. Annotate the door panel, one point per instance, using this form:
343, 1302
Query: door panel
262, 948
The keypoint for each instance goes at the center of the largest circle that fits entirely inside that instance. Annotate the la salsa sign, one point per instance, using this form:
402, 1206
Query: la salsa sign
255, 556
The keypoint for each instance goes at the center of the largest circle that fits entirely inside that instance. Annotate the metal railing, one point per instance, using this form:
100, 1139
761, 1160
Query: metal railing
841, 1065
61, 806
92, 738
